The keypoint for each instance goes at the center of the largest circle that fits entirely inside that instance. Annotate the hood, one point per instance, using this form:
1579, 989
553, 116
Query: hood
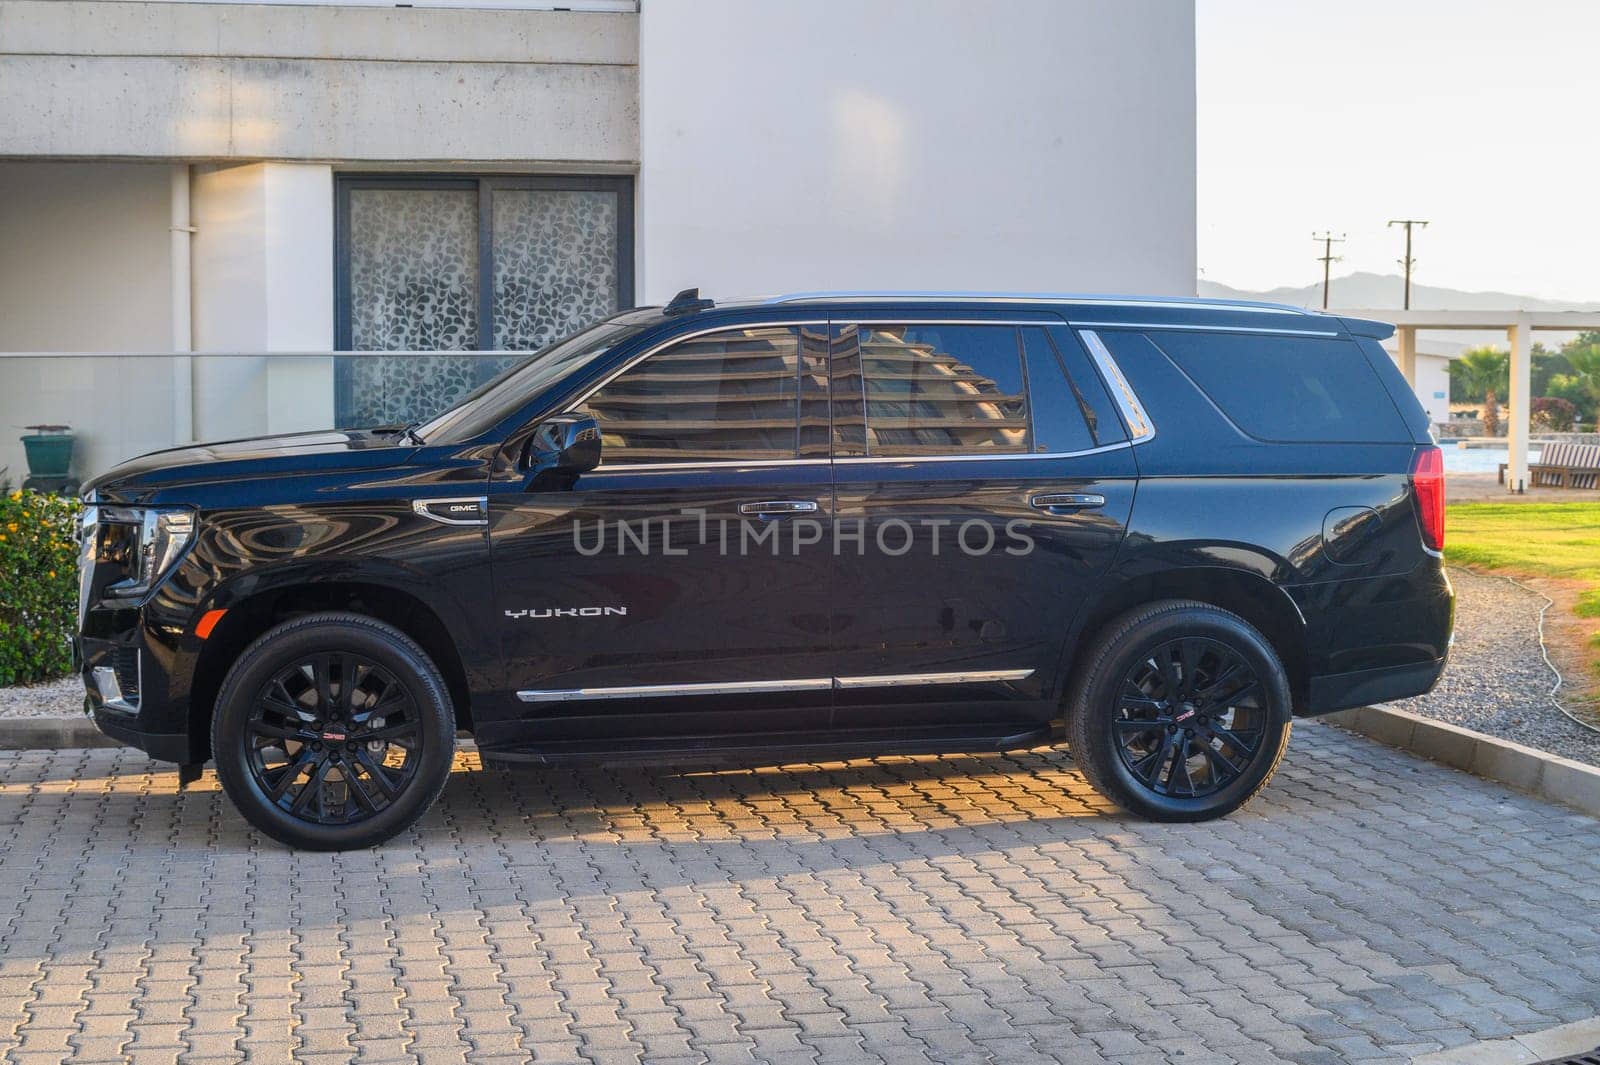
287, 455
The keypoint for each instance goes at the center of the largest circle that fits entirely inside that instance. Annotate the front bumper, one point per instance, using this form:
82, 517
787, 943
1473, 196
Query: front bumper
129, 677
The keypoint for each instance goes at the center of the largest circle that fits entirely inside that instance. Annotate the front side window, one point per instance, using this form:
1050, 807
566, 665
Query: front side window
929, 389
725, 396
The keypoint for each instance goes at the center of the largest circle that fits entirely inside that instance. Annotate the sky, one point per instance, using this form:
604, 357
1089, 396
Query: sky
1481, 116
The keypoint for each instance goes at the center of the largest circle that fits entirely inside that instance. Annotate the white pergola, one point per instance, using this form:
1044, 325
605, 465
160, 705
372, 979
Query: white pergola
1519, 327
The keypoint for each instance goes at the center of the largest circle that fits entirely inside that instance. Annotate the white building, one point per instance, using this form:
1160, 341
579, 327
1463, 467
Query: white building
245, 177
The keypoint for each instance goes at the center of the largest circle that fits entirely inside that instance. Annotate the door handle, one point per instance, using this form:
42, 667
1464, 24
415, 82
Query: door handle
1057, 502
773, 508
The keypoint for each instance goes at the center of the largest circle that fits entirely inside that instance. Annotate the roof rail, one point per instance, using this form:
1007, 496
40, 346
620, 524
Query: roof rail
1036, 297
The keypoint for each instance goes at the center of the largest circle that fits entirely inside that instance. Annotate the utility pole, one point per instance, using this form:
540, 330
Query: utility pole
1408, 262
1327, 258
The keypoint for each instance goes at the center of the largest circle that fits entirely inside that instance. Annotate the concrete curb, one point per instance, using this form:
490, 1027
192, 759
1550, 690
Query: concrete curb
1579, 1037
49, 733
1548, 776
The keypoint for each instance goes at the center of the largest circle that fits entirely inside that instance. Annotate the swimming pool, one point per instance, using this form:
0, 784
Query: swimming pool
1479, 459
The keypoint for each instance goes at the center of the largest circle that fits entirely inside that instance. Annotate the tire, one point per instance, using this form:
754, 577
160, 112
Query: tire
285, 707
1155, 690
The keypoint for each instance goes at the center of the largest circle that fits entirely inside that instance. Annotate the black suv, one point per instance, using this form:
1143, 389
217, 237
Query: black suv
841, 524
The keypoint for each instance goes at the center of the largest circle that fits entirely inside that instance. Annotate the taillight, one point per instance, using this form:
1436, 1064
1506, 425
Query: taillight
1427, 483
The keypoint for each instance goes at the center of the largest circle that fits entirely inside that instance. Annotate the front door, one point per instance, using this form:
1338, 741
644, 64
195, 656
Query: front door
982, 482
679, 591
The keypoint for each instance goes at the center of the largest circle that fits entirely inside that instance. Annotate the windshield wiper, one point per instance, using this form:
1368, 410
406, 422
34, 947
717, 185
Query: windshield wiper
411, 431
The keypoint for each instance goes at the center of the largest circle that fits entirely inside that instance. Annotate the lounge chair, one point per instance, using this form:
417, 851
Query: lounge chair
1563, 466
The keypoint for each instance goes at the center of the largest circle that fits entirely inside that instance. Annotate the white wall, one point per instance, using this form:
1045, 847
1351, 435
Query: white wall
892, 144
85, 266
1433, 385
263, 281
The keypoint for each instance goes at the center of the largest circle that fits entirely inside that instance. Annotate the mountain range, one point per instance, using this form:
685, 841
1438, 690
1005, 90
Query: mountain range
1369, 291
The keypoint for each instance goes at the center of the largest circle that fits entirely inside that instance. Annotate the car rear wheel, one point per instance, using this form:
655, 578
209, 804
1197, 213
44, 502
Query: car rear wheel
333, 731
1181, 712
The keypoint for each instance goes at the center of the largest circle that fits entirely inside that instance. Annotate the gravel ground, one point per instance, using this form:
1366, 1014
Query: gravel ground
58, 698
1497, 681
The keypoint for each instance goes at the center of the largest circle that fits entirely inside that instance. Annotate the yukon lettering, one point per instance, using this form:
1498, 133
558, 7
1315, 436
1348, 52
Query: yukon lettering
535, 613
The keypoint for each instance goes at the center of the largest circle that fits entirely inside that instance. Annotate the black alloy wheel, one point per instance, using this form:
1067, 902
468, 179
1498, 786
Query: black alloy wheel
1179, 711
333, 731
1190, 718
334, 738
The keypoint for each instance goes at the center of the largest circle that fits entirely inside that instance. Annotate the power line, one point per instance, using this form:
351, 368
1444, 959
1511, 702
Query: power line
1327, 258
1408, 262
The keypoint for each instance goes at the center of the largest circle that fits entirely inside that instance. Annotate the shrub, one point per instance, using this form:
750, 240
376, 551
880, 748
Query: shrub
1575, 390
38, 586
1554, 413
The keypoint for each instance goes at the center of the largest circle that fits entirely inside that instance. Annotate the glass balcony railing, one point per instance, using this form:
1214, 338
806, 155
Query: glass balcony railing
118, 405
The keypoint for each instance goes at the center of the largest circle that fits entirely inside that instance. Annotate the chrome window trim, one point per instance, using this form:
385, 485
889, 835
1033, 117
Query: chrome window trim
856, 460
650, 691
1140, 427
717, 464
1285, 331
757, 687
903, 680
1009, 456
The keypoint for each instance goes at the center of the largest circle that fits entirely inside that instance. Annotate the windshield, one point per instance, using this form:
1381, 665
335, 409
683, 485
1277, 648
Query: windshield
499, 397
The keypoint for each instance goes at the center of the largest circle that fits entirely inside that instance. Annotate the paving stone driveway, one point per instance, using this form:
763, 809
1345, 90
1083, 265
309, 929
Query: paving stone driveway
967, 909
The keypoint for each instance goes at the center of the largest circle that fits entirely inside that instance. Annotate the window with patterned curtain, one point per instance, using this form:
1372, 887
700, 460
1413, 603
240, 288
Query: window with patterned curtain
456, 264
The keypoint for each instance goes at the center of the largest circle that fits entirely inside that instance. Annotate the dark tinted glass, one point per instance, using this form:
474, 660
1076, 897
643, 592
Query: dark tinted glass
1061, 419
930, 390
1088, 389
813, 392
1297, 389
729, 395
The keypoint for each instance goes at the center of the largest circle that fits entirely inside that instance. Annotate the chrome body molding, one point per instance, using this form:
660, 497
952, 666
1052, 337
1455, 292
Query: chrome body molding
903, 680
763, 687
652, 691
109, 686
456, 510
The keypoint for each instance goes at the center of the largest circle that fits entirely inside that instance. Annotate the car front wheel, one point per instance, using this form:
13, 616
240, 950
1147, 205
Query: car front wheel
333, 731
1180, 712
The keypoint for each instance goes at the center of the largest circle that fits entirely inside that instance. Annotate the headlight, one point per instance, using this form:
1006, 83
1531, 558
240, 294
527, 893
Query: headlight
137, 545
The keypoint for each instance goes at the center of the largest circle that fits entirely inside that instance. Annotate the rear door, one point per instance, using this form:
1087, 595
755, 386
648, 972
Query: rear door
982, 482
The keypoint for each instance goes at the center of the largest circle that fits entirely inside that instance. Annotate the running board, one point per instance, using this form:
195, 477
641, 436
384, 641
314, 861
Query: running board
781, 751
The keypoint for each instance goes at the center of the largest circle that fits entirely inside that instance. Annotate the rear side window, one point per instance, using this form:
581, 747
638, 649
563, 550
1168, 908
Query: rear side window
929, 390
1289, 389
1071, 409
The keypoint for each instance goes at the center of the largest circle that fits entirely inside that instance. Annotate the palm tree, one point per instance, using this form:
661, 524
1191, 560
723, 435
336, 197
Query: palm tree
1486, 370
1586, 365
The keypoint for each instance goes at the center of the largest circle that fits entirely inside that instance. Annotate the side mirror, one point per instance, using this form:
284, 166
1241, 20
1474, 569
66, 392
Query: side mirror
567, 444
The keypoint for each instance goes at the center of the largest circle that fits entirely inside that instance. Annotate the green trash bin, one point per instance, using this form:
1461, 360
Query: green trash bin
49, 453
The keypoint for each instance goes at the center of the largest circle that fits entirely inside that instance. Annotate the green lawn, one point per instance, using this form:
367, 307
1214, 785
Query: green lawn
1538, 539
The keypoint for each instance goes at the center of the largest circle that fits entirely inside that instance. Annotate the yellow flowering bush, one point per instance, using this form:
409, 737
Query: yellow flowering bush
38, 586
